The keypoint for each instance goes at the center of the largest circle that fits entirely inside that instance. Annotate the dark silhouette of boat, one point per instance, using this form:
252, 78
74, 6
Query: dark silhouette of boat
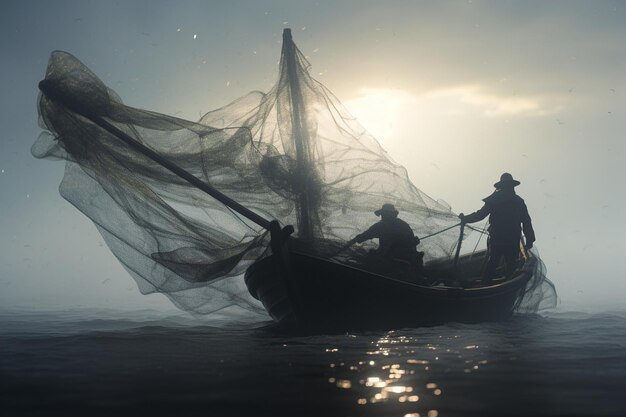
304, 290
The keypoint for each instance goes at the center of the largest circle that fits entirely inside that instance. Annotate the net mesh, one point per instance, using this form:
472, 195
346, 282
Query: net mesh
293, 154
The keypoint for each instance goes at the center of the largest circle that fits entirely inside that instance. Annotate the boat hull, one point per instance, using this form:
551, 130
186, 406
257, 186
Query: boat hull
319, 293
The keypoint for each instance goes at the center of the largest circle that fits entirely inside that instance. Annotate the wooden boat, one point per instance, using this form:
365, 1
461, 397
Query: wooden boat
309, 289
304, 290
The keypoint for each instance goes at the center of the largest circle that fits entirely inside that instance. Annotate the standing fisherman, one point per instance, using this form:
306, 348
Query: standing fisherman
506, 211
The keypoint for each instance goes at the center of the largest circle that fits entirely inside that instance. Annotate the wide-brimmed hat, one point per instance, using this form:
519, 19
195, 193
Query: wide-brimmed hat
506, 179
386, 208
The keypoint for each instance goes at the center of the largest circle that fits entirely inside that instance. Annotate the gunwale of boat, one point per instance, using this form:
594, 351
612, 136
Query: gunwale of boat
498, 287
519, 275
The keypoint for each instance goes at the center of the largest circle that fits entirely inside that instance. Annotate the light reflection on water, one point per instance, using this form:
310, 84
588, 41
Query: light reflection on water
404, 373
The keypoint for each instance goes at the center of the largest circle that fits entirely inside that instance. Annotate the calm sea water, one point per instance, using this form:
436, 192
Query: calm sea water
93, 363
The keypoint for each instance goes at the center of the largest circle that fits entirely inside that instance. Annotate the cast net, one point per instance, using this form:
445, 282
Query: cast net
293, 154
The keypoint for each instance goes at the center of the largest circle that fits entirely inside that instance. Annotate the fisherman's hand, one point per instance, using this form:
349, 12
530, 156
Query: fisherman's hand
462, 217
356, 239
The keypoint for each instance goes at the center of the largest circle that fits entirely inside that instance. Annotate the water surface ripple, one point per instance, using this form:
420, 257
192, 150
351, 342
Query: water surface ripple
95, 363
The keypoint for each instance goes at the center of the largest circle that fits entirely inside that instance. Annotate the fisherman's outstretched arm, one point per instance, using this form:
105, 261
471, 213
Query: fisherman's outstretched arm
475, 216
370, 233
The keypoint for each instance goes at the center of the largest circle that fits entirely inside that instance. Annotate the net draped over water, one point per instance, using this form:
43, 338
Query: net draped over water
293, 154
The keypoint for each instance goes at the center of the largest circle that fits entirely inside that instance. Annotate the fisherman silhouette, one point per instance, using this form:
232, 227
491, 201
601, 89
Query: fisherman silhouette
396, 240
506, 211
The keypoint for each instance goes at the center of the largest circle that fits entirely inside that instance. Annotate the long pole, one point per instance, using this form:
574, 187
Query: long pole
301, 138
50, 91
458, 246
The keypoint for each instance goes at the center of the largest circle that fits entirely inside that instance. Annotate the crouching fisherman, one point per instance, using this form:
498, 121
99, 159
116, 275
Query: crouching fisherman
396, 240
506, 211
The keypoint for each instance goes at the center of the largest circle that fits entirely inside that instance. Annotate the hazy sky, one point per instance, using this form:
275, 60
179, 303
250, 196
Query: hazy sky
458, 92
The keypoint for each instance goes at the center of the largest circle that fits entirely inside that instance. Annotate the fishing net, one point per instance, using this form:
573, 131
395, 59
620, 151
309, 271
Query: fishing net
540, 293
293, 154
